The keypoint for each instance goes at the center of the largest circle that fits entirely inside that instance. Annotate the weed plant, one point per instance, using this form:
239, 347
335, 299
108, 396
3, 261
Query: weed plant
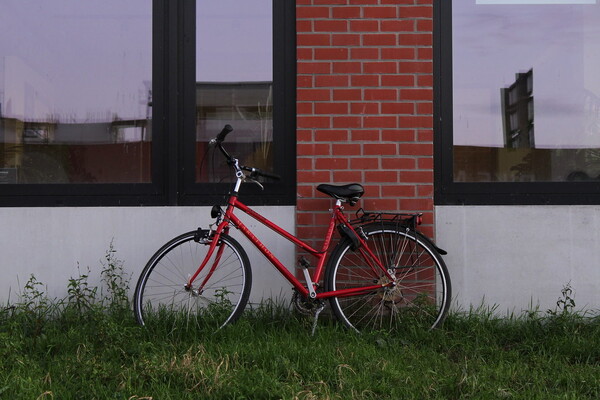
87, 346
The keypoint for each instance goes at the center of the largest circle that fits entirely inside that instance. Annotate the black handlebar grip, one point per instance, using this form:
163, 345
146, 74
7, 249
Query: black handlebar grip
254, 172
226, 130
269, 175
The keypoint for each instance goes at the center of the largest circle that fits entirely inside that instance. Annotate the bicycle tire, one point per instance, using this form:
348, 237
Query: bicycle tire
422, 292
160, 293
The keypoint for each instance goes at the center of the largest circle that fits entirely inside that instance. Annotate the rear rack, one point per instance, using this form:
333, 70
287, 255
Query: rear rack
403, 219
407, 221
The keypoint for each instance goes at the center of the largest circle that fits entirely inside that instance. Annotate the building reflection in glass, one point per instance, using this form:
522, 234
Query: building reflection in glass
495, 137
75, 91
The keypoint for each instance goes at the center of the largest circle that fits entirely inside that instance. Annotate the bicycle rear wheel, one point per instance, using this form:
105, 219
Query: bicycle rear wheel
420, 297
161, 295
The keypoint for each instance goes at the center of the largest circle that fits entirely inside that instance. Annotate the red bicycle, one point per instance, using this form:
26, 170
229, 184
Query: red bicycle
383, 273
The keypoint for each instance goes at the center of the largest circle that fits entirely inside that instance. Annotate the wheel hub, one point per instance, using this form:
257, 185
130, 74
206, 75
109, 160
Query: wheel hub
391, 292
193, 292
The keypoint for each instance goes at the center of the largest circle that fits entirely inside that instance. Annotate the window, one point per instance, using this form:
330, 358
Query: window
234, 83
518, 97
243, 75
75, 99
106, 102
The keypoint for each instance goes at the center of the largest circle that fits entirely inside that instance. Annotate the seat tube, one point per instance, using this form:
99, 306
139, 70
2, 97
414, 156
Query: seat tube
326, 242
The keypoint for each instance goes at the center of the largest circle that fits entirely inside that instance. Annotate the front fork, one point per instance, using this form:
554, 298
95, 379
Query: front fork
203, 236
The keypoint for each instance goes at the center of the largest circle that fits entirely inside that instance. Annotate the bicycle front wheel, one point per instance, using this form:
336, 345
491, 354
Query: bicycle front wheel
161, 293
421, 293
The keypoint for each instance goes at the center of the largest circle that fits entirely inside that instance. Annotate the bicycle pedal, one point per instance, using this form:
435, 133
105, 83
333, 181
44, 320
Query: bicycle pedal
304, 263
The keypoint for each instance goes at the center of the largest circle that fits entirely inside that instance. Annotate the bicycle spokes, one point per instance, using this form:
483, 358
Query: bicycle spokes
416, 293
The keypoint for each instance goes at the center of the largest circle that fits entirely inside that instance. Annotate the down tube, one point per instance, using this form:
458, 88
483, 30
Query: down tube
274, 260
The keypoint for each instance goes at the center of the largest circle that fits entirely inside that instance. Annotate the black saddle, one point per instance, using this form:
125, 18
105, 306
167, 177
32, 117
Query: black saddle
350, 193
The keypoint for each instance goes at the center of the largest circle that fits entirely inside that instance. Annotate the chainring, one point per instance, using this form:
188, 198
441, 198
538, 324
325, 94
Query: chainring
304, 305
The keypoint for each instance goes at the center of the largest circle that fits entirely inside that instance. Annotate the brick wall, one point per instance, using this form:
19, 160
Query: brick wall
364, 105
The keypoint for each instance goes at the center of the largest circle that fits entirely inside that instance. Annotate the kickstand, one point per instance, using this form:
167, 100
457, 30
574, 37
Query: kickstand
317, 312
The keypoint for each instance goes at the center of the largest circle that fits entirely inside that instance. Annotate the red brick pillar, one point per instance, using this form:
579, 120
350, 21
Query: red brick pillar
364, 106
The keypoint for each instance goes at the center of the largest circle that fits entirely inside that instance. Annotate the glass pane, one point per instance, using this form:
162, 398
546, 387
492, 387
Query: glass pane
75, 91
526, 90
234, 80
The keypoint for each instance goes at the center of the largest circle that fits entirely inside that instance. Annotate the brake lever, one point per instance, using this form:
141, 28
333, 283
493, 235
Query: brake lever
250, 180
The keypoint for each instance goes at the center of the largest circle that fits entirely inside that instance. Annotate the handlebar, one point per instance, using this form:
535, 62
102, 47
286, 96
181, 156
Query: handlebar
227, 129
258, 172
254, 172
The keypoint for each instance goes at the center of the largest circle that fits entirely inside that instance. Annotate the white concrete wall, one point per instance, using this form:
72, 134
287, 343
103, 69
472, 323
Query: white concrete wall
51, 242
519, 257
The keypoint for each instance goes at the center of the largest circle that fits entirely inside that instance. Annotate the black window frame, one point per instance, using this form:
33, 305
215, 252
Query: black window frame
173, 125
448, 192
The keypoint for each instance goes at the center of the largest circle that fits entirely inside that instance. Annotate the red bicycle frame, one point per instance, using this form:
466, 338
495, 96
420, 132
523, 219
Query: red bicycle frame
337, 217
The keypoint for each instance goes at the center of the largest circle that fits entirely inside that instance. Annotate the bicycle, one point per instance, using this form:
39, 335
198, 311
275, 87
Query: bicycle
383, 273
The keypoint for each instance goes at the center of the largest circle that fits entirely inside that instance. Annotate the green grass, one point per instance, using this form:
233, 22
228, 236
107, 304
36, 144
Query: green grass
87, 346
100, 353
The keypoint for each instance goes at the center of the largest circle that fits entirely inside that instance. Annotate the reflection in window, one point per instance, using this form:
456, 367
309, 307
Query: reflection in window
75, 91
517, 111
234, 82
496, 50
